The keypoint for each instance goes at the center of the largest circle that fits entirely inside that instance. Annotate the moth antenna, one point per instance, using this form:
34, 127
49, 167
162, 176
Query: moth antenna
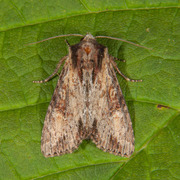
109, 37
54, 38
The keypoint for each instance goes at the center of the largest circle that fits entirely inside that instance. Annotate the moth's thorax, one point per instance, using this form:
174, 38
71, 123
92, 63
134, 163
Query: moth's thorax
87, 56
86, 53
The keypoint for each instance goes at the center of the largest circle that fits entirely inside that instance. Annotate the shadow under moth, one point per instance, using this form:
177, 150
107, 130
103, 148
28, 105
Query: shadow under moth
87, 103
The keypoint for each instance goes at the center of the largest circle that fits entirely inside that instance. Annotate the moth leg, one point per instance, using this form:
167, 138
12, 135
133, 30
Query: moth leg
126, 78
55, 72
67, 42
115, 58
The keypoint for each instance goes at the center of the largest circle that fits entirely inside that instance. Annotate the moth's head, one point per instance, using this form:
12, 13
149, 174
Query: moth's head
88, 37
87, 44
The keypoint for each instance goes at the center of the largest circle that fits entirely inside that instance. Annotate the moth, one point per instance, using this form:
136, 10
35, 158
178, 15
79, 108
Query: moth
87, 103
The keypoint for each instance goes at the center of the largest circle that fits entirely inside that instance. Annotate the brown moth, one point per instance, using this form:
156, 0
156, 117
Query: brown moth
87, 103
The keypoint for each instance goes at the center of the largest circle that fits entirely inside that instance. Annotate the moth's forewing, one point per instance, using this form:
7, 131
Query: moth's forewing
87, 103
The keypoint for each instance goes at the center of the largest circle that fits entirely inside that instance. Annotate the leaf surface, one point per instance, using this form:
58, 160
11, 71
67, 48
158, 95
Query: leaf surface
153, 104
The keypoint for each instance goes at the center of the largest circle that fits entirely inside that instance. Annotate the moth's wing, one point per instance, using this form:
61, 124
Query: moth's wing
112, 127
62, 131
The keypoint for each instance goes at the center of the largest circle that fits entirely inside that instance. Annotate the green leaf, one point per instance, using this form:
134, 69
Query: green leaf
153, 104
